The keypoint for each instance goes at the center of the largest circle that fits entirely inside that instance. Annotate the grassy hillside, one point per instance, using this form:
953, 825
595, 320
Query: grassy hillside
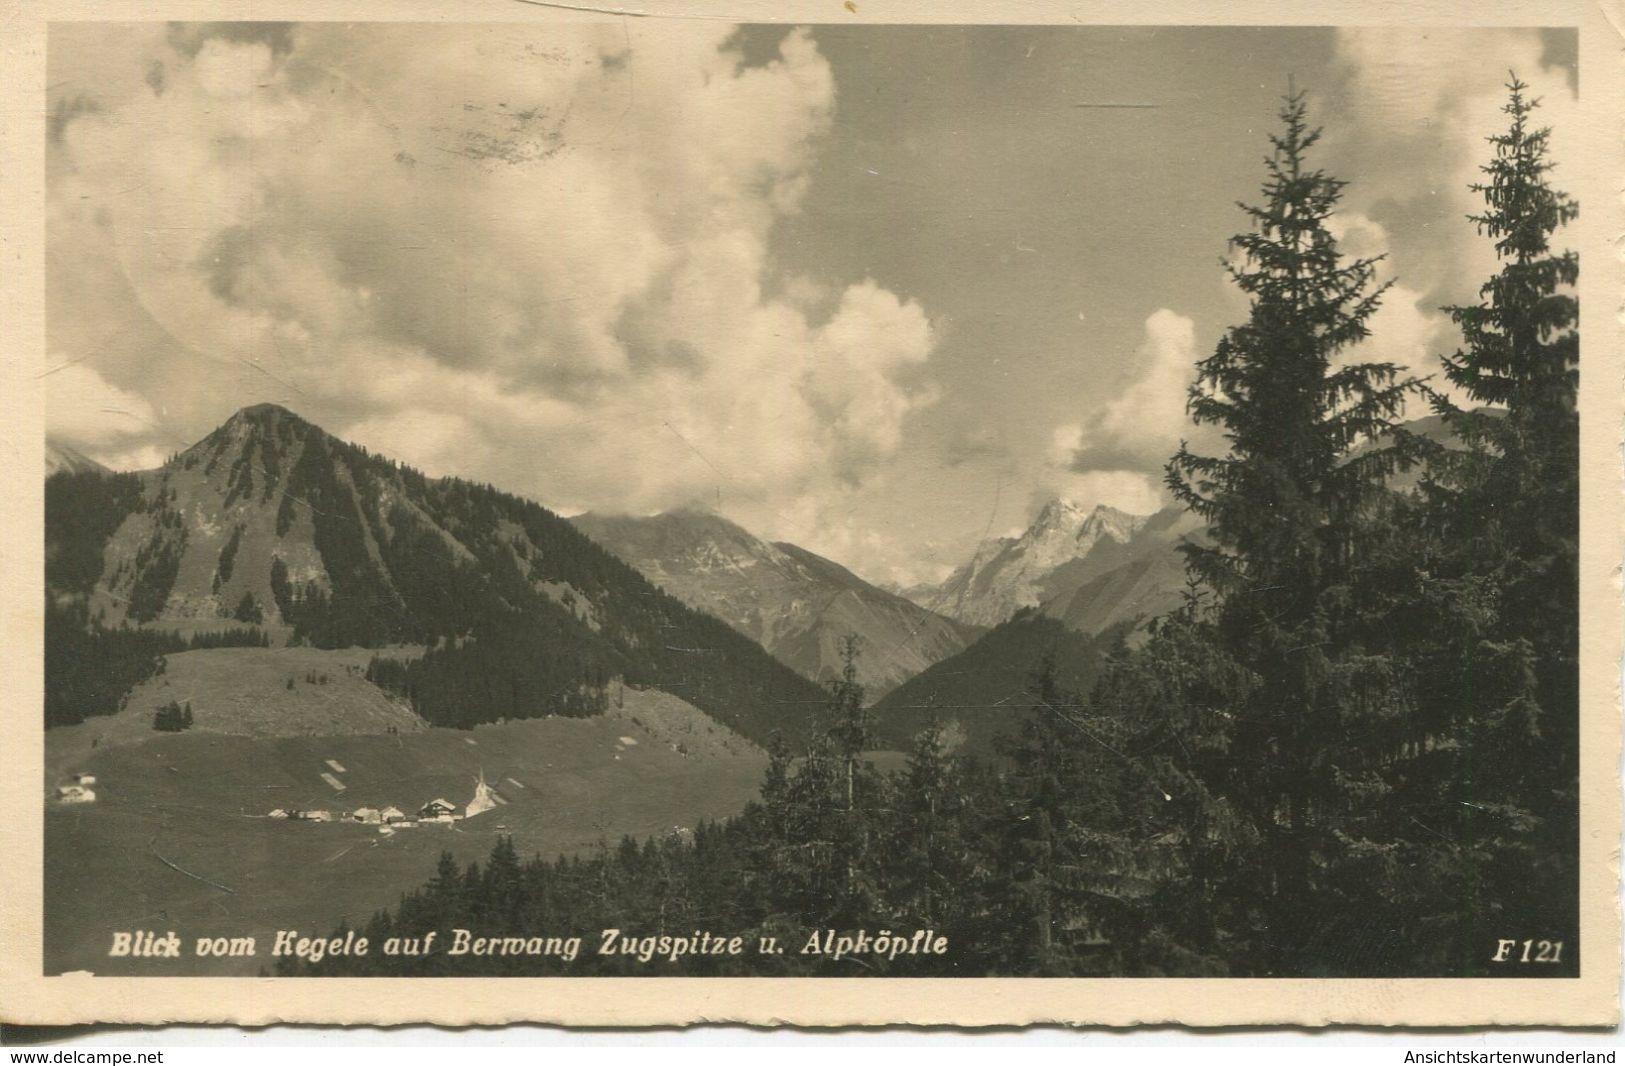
199, 800
265, 692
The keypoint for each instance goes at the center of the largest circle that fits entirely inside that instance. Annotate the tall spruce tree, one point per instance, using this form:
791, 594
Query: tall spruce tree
931, 862
1501, 521
1287, 509
1518, 489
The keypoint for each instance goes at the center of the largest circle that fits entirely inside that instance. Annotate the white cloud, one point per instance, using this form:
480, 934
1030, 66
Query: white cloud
1142, 426
1115, 456
142, 457
1126, 490
100, 419
1406, 329
1064, 443
1410, 130
536, 256
1358, 236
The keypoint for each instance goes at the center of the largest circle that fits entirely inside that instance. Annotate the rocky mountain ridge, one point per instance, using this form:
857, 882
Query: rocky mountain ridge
795, 603
1010, 573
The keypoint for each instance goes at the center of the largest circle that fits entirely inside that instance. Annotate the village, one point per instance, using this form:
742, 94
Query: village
388, 819
80, 788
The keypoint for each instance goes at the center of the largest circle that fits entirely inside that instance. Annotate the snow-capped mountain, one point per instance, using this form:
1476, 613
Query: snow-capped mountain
1010, 573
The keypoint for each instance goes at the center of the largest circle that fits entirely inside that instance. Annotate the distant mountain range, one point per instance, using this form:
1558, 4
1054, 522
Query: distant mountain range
1010, 573
1063, 589
1091, 569
796, 604
1094, 569
1070, 581
271, 522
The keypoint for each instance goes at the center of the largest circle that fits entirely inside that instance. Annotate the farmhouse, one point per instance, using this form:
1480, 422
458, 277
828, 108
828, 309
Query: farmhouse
438, 810
390, 815
75, 794
368, 815
83, 778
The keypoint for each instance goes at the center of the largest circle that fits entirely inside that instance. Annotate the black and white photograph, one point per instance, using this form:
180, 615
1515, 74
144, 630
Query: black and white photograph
688, 498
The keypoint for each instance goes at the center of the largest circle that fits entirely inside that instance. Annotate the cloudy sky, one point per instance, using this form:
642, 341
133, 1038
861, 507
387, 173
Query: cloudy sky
876, 290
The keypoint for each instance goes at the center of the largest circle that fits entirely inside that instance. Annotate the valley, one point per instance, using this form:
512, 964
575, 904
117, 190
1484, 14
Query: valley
199, 802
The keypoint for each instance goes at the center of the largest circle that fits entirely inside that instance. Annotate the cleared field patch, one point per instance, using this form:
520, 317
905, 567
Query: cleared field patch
263, 692
675, 723
180, 836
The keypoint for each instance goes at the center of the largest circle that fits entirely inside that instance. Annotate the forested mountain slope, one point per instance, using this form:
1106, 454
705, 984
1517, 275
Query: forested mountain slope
271, 522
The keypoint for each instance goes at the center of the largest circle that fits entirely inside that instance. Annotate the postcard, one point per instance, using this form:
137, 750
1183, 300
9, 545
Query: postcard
813, 513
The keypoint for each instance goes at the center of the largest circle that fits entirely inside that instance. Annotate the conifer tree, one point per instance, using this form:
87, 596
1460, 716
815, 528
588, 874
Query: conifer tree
1052, 835
1287, 508
932, 859
851, 729
1282, 504
1517, 487
1500, 527
848, 736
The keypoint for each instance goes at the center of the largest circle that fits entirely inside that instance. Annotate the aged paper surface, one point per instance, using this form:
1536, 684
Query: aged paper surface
830, 321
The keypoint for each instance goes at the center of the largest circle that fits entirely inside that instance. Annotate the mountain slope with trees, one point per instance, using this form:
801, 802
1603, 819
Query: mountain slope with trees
976, 695
272, 523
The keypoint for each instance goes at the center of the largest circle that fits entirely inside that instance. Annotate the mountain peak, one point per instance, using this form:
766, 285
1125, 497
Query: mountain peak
1058, 506
1005, 575
1111, 517
255, 409
266, 422
265, 414
796, 603
1065, 518
696, 512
